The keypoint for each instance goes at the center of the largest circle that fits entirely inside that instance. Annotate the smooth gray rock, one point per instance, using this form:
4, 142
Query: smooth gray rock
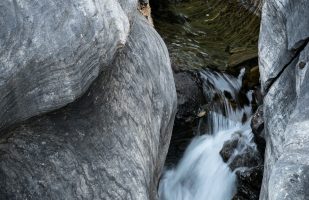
284, 29
287, 150
284, 56
52, 50
290, 173
278, 105
109, 144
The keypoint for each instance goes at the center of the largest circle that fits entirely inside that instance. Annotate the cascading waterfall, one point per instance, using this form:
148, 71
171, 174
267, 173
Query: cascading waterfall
201, 174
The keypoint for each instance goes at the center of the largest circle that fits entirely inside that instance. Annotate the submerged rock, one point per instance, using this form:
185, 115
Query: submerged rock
229, 147
247, 156
109, 144
247, 163
284, 61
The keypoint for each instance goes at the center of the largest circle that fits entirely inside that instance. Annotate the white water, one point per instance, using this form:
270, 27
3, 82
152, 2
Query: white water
202, 174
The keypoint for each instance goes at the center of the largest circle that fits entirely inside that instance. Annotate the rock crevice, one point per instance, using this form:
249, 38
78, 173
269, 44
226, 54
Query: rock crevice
284, 61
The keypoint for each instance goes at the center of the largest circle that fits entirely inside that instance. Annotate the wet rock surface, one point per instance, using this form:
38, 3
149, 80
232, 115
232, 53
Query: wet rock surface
257, 125
249, 183
190, 99
284, 50
247, 163
248, 158
110, 143
190, 95
229, 147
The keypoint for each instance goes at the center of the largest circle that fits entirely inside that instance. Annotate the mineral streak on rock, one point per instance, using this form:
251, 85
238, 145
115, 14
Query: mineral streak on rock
280, 36
52, 50
284, 58
109, 144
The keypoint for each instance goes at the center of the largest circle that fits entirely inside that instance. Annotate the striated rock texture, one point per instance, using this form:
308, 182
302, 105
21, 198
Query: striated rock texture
280, 37
284, 62
52, 50
110, 143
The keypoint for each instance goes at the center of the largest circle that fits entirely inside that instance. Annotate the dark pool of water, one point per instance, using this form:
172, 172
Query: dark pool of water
219, 34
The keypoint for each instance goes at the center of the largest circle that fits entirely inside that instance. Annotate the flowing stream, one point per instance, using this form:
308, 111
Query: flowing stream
202, 174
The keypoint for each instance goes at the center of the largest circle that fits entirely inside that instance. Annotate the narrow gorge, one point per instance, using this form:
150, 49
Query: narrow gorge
154, 99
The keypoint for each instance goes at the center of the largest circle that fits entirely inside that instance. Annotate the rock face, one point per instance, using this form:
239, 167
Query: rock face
51, 51
189, 94
284, 62
110, 143
281, 37
190, 99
